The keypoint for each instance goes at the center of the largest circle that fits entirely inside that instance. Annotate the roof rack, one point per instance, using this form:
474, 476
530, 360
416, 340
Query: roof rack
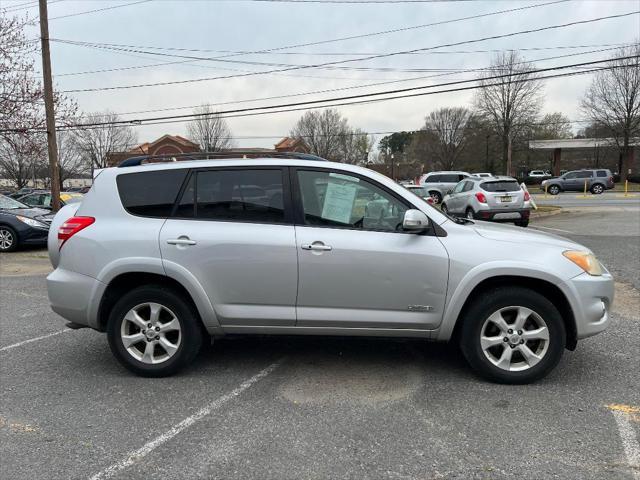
174, 157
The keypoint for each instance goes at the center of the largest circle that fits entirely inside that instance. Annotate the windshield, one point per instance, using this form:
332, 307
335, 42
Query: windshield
420, 191
503, 186
8, 203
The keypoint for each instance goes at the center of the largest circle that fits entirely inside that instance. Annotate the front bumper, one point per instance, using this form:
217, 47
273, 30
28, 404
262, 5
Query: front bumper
504, 215
591, 298
73, 296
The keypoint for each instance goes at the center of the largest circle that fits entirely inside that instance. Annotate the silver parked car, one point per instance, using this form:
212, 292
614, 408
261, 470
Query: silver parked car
162, 255
499, 199
439, 183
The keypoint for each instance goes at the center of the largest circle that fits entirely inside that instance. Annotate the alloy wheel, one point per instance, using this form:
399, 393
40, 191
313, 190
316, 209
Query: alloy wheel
597, 189
6, 239
514, 338
151, 333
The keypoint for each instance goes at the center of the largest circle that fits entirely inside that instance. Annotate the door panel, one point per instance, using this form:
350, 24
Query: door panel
356, 268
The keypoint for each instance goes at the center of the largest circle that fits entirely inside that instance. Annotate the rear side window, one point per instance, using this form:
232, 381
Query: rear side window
432, 179
502, 186
150, 194
602, 173
583, 175
239, 195
450, 178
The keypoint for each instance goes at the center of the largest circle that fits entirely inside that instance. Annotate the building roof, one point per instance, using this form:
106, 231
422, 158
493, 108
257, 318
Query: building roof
574, 143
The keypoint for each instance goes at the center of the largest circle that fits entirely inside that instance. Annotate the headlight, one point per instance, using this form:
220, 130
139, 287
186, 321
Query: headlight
585, 260
31, 222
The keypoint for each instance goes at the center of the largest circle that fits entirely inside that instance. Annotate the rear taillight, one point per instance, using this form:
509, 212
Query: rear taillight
481, 198
527, 197
72, 226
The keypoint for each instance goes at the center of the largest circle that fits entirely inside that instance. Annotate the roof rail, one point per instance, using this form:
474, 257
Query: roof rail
239, 153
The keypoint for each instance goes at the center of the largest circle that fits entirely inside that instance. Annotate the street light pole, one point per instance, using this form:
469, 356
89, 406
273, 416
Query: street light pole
54, 168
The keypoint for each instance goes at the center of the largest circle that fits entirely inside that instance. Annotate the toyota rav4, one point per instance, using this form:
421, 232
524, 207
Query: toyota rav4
161, 255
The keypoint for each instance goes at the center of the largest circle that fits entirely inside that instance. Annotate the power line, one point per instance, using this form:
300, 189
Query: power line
340, 62
113, 7
344, 88
365, 97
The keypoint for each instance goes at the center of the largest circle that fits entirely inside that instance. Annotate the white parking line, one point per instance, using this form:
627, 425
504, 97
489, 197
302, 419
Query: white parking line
622, 414
550, 228
136, 455
19, 344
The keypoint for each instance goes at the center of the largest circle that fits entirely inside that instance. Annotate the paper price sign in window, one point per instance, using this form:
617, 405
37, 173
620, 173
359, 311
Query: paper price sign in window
338, 202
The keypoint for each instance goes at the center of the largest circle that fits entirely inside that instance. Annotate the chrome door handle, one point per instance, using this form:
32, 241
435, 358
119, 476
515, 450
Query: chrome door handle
181, 241
316, 246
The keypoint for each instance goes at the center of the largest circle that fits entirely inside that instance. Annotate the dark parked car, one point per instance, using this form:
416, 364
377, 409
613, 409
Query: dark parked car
22, 225
42, 199
597, 180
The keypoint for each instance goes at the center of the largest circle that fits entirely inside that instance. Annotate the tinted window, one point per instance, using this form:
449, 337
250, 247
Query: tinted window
186, 206
570, 175
468, 186
602, 173
583, 175
240, 195
150, 194
502, 186
432, 179
339, 200
450, 178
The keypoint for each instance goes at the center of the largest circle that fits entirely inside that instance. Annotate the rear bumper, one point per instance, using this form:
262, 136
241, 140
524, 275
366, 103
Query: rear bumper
73, 296
591, 299
506, 215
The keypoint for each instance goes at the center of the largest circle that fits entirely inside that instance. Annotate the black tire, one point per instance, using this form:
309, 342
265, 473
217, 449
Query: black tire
501, 297
190, 330
437, 198
444, 208
554, 189
470, 214
597, 188
8, 239
522, 223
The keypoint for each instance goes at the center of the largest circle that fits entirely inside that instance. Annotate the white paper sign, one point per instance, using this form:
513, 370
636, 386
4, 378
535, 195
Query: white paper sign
338, 202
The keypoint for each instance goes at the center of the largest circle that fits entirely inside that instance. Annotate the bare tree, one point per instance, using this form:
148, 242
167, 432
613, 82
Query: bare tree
21, 158
613, 101
323, 132
553, 126
209, 130
96, 143
356, 146
512, 102
449, 134
71, 159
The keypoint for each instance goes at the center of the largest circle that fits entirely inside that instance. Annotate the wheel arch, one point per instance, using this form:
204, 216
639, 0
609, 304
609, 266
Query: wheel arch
540, 285
124, 282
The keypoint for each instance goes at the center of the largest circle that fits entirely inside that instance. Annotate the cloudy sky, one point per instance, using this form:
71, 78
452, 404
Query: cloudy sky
169, 32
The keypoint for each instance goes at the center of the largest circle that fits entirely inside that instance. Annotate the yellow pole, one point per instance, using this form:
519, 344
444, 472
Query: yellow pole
585, 189
545, 190
626, 187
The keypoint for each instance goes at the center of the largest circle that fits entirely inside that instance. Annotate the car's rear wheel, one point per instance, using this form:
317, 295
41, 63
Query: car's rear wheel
597, 189
512, 335
470, 214
8, 239
153, 331
554, 190
437, 198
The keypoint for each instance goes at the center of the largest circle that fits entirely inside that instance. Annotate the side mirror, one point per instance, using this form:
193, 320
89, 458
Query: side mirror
415, 221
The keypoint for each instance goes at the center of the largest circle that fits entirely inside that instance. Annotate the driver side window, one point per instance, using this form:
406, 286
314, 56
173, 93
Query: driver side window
338, 200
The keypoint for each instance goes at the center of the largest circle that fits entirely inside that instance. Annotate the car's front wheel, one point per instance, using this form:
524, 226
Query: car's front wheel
554, 190
512, 335
8, 239
153, 331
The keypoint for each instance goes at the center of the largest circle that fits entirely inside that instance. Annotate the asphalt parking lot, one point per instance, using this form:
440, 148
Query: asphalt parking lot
320, 407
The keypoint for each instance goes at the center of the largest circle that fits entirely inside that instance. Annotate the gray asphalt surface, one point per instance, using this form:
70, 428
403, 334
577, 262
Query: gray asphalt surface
331, 407
579, 200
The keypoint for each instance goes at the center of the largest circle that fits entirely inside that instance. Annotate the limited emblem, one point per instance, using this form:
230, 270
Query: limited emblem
419, 308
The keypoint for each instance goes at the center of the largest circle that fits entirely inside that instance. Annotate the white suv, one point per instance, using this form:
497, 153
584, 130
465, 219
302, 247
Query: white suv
161, 255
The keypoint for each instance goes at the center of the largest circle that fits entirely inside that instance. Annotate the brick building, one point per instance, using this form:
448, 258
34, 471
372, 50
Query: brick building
165, 145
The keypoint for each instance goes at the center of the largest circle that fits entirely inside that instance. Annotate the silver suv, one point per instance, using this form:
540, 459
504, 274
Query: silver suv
439, 183
161, 256
595, 181
500, 199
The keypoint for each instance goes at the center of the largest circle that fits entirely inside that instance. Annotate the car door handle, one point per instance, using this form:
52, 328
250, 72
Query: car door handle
181, 241
316, 246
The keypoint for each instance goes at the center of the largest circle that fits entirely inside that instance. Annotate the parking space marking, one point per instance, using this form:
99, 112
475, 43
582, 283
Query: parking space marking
24, 342
147, 448
623, 414
550, 228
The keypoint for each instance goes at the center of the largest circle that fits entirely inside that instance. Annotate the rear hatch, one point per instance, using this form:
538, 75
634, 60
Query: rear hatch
503, 194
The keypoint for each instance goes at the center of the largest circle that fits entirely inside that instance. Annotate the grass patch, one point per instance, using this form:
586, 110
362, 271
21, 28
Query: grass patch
547, 208
633, 187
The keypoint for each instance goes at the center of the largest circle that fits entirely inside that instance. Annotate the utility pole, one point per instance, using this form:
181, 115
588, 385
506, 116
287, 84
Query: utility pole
54, 168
